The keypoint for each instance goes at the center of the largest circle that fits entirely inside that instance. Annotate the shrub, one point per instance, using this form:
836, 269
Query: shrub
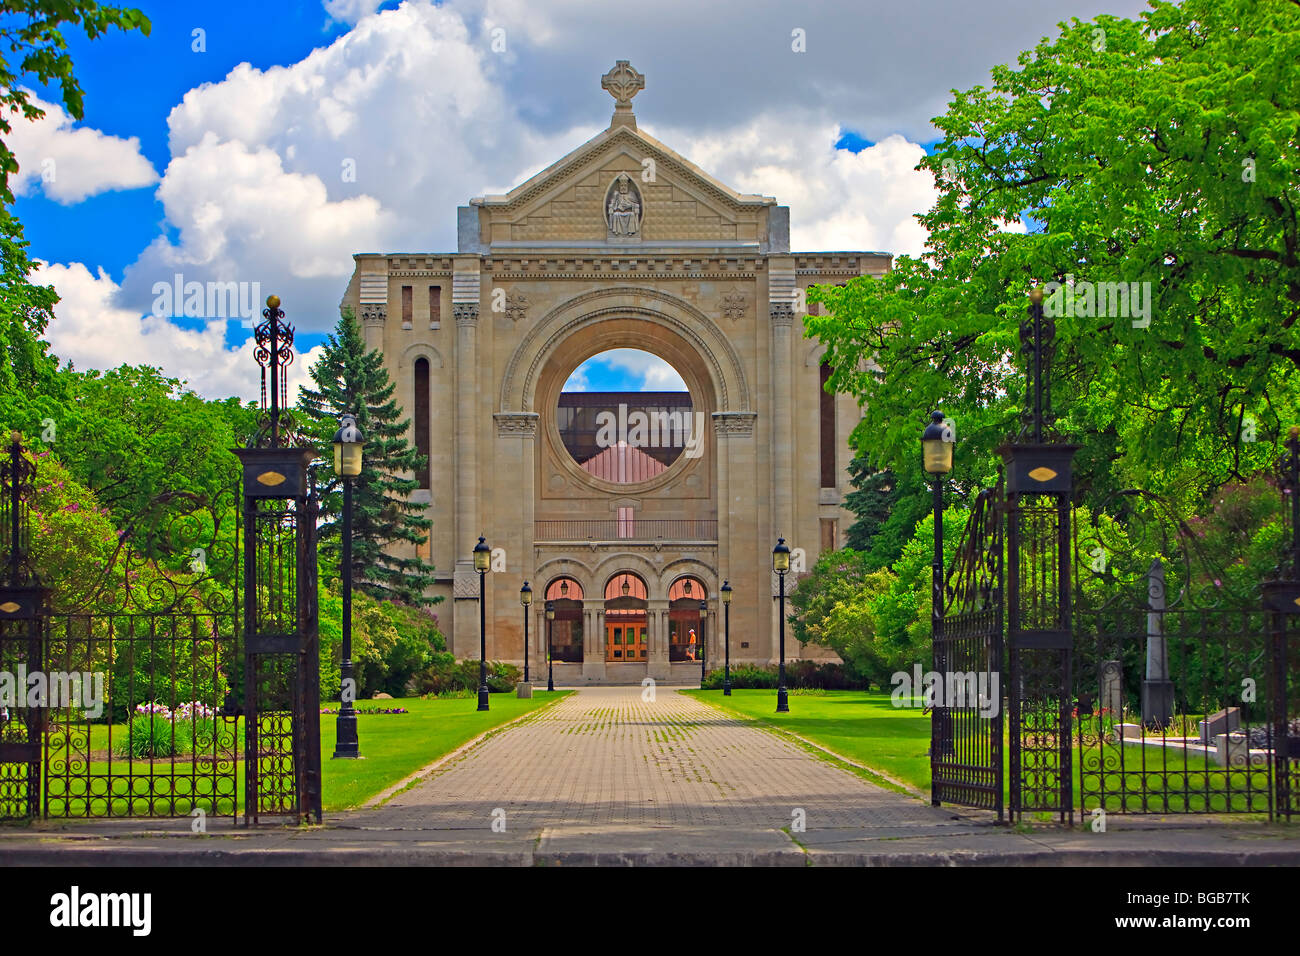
151, 735
799, 675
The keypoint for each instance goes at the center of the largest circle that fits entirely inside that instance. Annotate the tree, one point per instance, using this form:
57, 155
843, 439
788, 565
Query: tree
32, 46
1160, 152
350, 379
32, 31
132, 433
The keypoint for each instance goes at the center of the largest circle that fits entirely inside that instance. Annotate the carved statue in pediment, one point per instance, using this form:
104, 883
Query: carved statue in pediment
623, 209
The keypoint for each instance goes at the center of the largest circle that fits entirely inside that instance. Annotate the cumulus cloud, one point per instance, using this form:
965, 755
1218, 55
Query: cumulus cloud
71, 163
350, 11
369, 143
92, 332
633, 369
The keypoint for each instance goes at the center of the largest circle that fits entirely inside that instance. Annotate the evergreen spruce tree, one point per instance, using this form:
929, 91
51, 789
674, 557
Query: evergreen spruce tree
350, 379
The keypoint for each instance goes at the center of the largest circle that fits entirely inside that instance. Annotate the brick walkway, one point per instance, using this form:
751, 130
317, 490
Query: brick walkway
605, 757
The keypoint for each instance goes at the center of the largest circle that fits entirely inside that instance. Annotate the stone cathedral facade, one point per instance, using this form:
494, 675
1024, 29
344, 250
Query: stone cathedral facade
620, 244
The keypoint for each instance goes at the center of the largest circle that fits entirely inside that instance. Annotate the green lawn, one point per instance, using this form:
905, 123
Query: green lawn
867, 729
393, 746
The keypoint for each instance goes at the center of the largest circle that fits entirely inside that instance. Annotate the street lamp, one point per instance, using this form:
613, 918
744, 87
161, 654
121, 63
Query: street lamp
550, 664
482, 558
526, 601
936, 446
781, 564
704, 613
726, 610
347, 465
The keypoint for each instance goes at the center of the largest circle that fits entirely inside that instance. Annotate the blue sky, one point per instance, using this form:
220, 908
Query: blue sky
224, 165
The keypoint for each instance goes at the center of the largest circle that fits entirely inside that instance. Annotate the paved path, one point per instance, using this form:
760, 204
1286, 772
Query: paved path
604, 777
604, 757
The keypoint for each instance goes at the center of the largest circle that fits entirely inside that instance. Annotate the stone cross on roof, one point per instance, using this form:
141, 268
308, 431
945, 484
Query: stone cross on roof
623, 83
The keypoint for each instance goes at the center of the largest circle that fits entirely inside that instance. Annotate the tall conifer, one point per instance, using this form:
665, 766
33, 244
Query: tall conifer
350, 379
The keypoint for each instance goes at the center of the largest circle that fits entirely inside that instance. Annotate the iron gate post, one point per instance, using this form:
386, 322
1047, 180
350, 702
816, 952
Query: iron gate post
1040, 641
24, 604
282, 761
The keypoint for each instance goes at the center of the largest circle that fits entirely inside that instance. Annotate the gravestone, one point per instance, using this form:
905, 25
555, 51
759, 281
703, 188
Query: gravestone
1222, 722
524, 689
1112, 688
1157, 688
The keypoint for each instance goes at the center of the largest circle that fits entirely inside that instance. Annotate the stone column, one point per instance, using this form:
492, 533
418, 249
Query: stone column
593, 644
738, 525
658, 666
468, 523
513, 516
372, 326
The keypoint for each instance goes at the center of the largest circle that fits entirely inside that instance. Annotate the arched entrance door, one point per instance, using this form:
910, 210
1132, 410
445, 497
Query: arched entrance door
626, 641
565, 596
685, 625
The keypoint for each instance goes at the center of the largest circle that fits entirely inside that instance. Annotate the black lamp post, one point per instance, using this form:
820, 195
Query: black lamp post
936, 445
937, 442
526, 600
347, 465
550, 664
726, 628
781, 564
482, 558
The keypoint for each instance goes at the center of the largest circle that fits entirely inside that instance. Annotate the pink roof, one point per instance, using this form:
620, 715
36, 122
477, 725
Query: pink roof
623, 463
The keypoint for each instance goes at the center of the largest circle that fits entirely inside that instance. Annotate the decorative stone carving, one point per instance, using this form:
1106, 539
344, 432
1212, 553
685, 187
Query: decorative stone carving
623, 209
782, 313
734, 423
516, 424
374, 314
517, 307
465, 584
466, 313
733, 304
623, 83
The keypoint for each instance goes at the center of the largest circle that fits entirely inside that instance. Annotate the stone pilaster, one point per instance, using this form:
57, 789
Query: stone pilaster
658, 666
469, 396
593, 644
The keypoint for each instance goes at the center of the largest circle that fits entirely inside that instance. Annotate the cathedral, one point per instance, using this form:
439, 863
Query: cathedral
624, 511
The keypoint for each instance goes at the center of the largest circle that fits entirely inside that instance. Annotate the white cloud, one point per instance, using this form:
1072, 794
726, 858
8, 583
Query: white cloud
70, 164
350, 11
640, 372
92, 332
839, 201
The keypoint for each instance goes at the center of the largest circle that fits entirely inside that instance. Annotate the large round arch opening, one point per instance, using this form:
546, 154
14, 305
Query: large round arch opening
625, 416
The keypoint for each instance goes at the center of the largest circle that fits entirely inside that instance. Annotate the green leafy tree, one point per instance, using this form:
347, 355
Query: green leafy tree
33, 48
1161, 150
32, 45
350, 379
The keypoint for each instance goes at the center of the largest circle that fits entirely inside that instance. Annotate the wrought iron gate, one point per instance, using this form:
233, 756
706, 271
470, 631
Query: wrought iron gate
1160, 692
966, 722
200, 629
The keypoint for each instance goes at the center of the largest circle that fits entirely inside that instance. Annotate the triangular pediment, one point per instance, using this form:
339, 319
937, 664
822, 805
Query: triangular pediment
669, 200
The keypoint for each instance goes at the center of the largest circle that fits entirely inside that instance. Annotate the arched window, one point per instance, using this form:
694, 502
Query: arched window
827, 414
422, 442
685, 629
565, 597
626, 637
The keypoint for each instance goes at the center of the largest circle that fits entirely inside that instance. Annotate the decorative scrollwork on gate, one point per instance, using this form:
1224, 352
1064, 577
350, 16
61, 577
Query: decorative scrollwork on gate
977, 568
180, 554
